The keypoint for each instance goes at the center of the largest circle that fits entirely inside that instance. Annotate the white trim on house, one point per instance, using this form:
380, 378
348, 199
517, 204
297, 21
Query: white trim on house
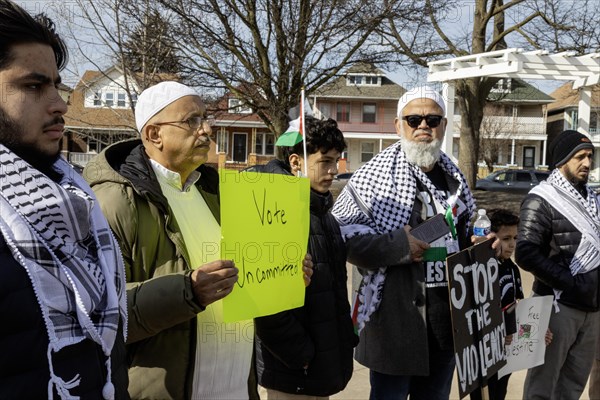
356, 98
355, 135
239, 123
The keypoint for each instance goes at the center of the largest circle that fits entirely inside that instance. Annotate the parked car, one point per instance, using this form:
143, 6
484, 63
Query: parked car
339, 182
512, 180
344, 176
595, 186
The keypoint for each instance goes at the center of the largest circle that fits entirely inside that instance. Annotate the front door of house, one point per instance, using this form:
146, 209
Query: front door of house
240, 147
528, 157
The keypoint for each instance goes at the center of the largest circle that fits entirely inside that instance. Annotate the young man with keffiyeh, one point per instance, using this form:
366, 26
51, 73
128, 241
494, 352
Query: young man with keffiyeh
404, 313
559, 242
62, 283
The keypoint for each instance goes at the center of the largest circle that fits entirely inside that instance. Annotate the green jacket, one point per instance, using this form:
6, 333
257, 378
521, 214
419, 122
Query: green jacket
162, 309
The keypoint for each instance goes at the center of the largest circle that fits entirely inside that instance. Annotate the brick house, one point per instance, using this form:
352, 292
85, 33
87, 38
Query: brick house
242, 139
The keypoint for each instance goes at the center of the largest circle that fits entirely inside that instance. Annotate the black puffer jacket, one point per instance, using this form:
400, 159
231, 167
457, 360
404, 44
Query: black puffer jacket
546, 244
24, 372
319, 334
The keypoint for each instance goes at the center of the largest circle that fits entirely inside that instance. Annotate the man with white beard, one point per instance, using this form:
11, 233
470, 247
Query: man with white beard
404, 313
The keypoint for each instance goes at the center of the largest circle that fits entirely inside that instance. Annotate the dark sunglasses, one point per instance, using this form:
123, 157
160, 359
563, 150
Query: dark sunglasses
415, 120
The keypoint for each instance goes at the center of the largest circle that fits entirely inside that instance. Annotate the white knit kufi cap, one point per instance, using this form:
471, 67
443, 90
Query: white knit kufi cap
157, 97
421, 92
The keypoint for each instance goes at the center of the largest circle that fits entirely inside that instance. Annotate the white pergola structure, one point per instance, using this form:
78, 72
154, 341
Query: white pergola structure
584, 71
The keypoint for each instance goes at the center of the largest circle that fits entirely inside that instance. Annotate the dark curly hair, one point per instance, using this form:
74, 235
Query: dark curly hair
320, 135
500, 217
18, 27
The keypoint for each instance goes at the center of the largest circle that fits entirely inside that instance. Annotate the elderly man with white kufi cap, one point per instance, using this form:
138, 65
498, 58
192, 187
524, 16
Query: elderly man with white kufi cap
403, 307
162, 203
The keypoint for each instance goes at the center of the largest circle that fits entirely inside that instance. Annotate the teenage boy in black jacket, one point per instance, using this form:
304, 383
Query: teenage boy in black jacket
308, 350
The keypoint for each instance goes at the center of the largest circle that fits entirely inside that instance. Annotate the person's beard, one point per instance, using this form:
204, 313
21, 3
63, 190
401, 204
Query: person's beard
422, 154
10, 136
574, 179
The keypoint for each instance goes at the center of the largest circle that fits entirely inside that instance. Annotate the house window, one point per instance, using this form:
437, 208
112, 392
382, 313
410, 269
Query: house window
269, 144
97, 99
363, 80
120, 99
260, 138
343, 112
134, 97
574, 122
109, 99
369, 112
456, 148
367, 151
222, 142
502, 86
265, 144
355, 80
237, 106
325, 110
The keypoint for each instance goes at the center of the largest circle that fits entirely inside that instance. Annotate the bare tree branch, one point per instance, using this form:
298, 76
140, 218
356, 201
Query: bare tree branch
515, 28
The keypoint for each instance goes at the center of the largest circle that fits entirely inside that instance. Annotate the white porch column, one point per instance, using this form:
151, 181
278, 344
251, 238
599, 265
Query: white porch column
585, 101
545, 145
380, 145
448, 92
512, 153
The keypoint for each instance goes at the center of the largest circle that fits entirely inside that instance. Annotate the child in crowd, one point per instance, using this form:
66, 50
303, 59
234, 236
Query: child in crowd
308, 351
504, 226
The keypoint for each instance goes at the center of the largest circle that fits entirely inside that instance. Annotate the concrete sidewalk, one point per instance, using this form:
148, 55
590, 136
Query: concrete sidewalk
358, 387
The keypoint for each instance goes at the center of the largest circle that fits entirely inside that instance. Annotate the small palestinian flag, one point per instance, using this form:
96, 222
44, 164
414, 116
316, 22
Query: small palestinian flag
292, 136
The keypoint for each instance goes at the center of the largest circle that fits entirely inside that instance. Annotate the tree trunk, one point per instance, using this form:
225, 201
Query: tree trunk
469, 148
279, 125
471, 110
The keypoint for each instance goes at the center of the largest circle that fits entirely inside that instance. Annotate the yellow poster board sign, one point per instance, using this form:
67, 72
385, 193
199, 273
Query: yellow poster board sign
265, 224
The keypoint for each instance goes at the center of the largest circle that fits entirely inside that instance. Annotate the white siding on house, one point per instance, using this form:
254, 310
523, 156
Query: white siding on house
113, 83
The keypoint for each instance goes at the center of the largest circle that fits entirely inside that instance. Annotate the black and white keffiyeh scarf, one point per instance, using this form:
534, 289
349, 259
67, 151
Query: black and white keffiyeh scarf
584, 214
59, 235
379, 199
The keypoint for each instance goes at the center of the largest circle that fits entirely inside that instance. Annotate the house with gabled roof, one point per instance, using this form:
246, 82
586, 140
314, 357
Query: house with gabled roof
101, 112
513, 130
563, 112
364, 102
